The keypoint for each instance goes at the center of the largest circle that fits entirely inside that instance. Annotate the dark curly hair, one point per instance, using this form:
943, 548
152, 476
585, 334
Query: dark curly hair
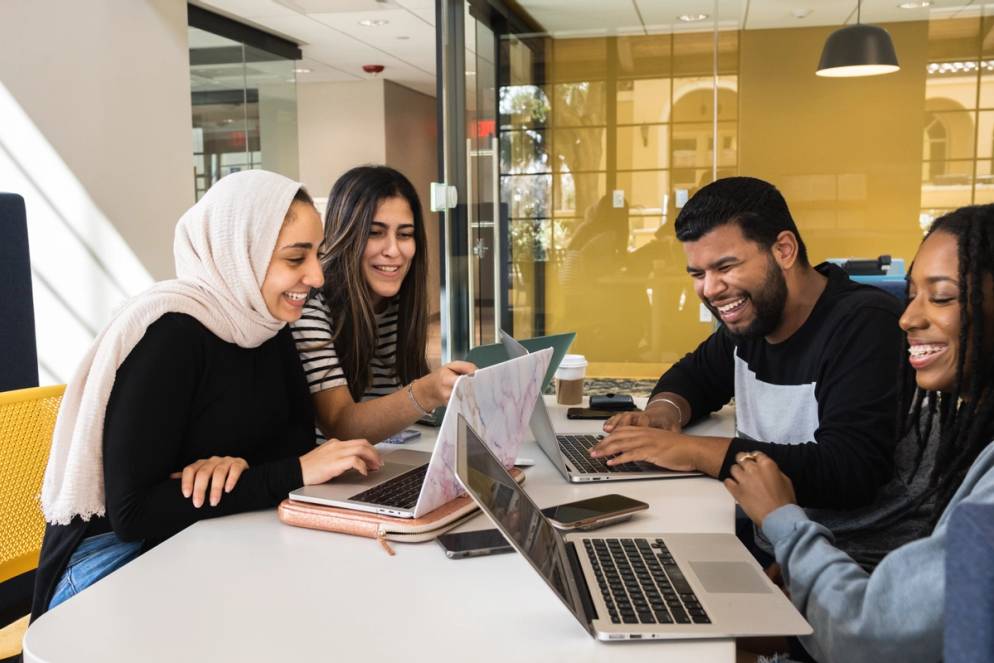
966, 414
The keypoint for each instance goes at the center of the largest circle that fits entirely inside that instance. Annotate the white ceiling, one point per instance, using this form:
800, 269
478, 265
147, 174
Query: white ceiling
335, 45
565, 18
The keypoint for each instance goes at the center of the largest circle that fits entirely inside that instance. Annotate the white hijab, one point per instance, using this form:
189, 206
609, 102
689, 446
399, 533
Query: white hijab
223, 246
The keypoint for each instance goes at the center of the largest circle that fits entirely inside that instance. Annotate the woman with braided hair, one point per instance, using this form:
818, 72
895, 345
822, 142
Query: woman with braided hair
896, 611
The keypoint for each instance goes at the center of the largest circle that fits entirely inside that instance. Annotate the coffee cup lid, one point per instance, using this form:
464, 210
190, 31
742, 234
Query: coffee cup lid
573, 361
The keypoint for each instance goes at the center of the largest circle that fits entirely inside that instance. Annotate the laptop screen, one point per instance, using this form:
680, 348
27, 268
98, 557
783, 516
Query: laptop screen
541, 424
513, 511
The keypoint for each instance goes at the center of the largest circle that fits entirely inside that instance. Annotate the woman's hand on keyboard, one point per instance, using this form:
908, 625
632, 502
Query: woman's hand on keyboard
335, 457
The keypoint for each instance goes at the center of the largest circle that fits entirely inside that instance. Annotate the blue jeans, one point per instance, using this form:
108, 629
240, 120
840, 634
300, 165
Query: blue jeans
96, 557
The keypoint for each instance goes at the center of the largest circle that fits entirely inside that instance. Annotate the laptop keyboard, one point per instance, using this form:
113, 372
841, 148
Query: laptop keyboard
401, 492
642, 584
577, 449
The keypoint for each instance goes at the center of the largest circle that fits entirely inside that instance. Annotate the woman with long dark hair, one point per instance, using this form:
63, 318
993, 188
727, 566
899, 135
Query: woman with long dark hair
896, 611
362, 337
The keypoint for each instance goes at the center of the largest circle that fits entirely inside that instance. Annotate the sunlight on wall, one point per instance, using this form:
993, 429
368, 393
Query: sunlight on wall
81, 268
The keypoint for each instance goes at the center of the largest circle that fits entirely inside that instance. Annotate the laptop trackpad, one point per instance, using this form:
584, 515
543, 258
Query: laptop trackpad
729, 578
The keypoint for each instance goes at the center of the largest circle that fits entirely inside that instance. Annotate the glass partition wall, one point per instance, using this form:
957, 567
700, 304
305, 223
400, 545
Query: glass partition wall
601, 139
244, 108
600, 145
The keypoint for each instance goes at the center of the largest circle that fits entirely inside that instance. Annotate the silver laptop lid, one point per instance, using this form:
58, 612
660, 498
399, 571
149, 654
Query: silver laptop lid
540, 423
516, 516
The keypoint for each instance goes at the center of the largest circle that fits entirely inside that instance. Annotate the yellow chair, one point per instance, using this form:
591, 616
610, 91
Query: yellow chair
27, 419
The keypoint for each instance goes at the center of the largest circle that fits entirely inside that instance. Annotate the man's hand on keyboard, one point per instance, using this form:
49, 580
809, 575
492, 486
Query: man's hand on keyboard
639, 443
666, 411
673, 451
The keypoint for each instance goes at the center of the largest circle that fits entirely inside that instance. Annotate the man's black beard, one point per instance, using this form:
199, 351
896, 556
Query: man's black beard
768, 304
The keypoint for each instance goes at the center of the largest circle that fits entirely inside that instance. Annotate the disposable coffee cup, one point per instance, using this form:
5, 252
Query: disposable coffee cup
569, 380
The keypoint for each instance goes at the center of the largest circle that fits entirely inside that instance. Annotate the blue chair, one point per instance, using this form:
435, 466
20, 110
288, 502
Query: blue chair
19, 358
969, 613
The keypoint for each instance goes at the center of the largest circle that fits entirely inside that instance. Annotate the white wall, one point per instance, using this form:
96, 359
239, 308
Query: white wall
95, 133
108, 84
339, 126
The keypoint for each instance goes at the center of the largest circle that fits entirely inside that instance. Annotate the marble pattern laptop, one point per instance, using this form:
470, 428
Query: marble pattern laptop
496, 400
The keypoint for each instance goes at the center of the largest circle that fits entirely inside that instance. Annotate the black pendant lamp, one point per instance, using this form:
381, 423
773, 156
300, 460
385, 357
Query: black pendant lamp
858, 50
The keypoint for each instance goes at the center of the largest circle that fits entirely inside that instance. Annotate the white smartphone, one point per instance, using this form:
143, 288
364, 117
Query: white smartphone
403, 436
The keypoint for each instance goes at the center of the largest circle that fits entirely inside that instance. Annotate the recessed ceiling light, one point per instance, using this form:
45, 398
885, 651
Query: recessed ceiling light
373, 22
920, 4
403, 37
800, 12
301, 70
692, 18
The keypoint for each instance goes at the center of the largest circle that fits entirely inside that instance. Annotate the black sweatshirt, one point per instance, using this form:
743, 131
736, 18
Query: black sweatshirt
822, 403
183, 395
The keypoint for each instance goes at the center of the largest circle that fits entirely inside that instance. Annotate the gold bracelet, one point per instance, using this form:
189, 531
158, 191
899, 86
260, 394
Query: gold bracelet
414, 400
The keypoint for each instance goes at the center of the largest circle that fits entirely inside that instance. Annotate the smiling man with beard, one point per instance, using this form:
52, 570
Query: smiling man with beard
810, 357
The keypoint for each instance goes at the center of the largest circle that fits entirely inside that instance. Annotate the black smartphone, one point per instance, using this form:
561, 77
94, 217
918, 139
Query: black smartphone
588, 413
581, 515
594, 512
614, 402
474, 544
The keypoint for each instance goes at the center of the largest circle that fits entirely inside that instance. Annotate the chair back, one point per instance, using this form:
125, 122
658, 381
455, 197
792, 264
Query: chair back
19, 358
27, 419
969, 613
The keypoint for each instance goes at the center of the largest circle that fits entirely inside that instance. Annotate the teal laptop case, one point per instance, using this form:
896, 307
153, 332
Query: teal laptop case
488, 355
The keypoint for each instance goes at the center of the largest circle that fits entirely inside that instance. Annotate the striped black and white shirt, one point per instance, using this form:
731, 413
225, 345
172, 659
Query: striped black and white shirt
312, 333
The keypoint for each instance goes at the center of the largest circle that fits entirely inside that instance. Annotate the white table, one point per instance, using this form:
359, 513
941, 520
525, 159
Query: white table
248, 588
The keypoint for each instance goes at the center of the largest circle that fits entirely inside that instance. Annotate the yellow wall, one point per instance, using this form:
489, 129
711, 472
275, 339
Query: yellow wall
864, 164
846, 153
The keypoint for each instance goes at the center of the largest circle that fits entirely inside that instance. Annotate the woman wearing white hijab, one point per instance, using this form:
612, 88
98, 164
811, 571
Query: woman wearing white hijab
199, 373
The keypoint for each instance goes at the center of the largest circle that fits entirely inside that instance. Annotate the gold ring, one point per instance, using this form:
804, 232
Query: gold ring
749, 455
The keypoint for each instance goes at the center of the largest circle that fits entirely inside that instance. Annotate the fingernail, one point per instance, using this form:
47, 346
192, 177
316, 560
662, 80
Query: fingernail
214, 502
186, 493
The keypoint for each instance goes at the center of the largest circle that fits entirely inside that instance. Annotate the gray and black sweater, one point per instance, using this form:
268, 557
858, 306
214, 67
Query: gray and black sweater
823, 405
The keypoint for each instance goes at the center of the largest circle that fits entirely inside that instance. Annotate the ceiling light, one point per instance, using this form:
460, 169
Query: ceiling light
301, 70
800, 12
921, 4
403, 37
858, 50
373, 22
692, 18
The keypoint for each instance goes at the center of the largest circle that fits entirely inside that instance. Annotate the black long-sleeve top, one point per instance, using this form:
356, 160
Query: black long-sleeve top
183, 395
822, 404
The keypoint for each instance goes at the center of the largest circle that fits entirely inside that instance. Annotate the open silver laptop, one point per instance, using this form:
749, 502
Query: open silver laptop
497, 399
632, 586
570, 452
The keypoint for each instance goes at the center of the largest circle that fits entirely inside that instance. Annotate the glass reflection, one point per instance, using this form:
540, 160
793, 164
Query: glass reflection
519, 518
244, 109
